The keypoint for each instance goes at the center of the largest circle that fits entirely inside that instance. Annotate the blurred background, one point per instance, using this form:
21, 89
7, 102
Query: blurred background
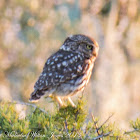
30, 31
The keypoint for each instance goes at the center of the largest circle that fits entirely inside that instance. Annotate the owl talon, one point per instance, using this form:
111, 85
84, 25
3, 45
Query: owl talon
71, 102
59, 100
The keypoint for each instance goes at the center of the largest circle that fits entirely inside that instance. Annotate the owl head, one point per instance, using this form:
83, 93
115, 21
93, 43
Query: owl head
81, 44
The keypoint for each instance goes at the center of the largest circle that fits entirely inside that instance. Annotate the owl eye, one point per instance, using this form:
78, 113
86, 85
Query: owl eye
89, 47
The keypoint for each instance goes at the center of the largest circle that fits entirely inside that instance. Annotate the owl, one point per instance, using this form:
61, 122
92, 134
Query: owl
67, 71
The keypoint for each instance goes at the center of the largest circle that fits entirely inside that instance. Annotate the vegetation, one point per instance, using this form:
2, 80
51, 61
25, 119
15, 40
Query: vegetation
66, 123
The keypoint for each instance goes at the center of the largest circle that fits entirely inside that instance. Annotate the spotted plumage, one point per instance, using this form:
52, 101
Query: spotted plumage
68, 70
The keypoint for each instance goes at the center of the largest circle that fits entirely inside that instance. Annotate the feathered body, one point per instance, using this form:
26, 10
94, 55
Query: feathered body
68, 70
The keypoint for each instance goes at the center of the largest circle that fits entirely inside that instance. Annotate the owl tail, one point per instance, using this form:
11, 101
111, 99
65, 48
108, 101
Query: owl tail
36, 95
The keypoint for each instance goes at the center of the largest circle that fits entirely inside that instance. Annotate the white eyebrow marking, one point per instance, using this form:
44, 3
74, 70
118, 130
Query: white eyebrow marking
70, 36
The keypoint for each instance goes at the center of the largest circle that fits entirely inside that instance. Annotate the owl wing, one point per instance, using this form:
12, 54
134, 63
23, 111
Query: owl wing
59, 68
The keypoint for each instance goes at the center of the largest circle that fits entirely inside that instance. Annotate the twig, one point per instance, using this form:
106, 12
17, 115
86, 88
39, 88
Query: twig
106, 121
66, 127
128, 132
96, 126
29, 104
101, 136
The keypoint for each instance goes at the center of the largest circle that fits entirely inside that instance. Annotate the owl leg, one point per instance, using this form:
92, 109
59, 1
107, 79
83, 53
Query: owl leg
72, 103
58, 99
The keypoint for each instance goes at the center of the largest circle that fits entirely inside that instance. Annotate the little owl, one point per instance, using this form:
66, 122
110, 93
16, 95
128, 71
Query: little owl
68, 70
